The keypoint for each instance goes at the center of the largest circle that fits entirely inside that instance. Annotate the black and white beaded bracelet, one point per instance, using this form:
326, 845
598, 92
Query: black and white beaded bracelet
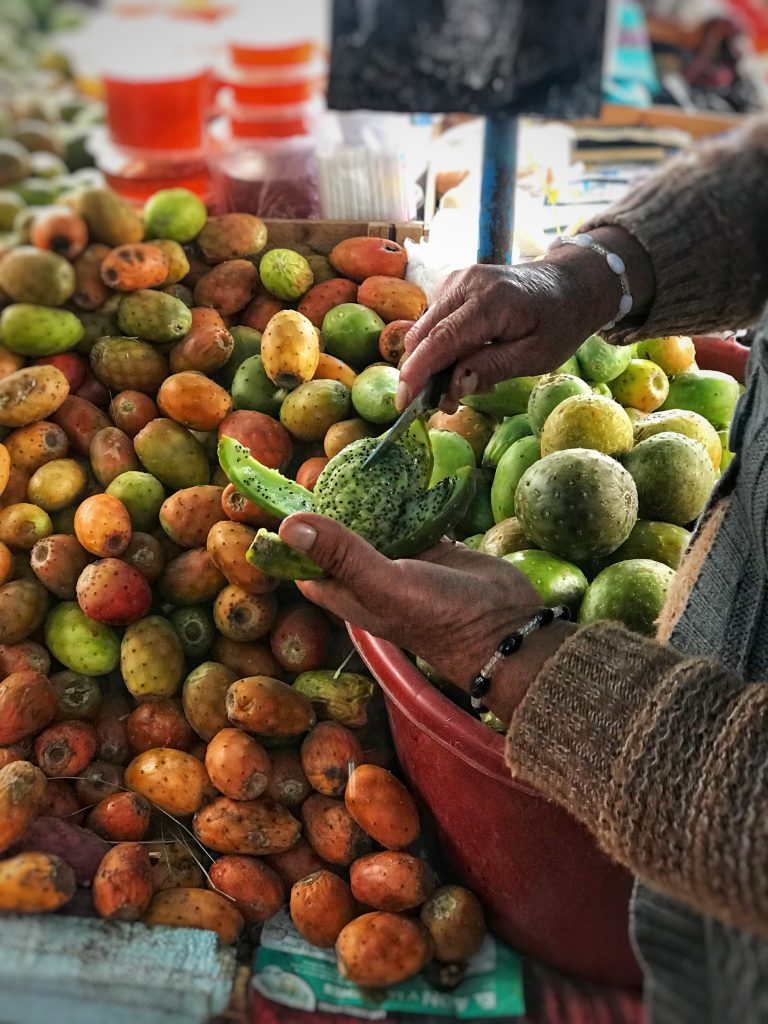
511, 643
615, 263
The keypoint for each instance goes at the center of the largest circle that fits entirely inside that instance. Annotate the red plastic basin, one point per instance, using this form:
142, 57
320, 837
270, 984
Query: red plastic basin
547, 889
545, 886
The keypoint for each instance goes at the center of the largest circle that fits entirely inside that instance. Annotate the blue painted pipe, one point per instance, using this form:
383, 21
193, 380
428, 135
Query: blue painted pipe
497, 197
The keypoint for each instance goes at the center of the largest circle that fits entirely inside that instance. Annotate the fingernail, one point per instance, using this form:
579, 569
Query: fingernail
401, 395
468, 383
300, 536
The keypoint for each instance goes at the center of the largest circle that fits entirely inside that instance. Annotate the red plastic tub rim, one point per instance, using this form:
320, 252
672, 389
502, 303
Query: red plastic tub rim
272, 75
725, 354
443, 721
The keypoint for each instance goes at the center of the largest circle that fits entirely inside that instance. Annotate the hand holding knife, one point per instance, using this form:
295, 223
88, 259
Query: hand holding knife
428, 398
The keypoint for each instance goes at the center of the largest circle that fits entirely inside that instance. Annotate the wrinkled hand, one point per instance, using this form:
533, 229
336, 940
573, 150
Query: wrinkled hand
450, 606
500, 322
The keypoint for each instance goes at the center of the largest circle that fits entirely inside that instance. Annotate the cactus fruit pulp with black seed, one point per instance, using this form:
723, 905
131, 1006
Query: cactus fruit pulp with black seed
388, 503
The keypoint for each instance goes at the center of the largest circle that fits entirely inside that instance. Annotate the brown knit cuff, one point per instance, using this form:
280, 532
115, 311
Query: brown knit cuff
663, 759
700, 219
567, 733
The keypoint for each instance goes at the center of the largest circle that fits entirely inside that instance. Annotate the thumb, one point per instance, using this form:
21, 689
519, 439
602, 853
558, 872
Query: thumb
342, 553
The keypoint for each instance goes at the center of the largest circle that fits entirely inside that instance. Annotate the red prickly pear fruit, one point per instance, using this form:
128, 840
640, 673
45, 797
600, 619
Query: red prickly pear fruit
300, 637
113, 592
364, 257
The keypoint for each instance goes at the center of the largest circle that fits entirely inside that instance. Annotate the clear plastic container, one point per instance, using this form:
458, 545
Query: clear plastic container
136, 174
278, 35
369, 164
260, 86
272, 178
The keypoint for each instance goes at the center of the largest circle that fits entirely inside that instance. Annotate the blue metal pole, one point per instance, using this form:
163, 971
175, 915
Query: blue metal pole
497, 198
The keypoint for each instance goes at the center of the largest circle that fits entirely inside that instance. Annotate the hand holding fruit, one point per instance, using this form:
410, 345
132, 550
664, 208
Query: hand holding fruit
451, 606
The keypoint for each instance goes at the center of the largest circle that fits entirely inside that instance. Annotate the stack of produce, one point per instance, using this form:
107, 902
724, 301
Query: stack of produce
598, 482
162, 679
175, 745
44, 119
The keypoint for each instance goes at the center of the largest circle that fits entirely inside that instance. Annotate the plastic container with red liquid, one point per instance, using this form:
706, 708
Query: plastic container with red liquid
243, 55
157, 113
279, 36
137, 174
268, 122
274, 85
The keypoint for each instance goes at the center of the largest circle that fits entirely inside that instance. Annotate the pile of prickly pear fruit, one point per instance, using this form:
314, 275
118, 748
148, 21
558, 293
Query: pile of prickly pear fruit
153, 677
175, 743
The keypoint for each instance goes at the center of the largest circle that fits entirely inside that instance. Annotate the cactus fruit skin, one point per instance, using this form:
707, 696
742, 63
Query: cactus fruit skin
265, 487
151, 658
271, 556
388, 504
338, 696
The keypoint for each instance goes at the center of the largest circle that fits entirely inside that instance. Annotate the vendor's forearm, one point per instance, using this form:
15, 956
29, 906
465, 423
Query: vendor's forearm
662, 758
598, 284
701, 220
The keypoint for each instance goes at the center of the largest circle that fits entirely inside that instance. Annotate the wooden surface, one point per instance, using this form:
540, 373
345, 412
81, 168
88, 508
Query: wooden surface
699, 124
69, 970
318, 237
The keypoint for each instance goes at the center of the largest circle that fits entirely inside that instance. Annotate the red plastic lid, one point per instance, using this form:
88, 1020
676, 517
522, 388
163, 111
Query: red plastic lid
247, 56
267, 121
285, 129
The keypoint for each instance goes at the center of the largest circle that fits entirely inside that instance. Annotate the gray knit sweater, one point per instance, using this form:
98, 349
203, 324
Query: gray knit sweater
662, 751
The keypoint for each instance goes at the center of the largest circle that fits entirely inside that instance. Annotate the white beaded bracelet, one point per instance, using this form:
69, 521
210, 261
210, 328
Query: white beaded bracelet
614, 261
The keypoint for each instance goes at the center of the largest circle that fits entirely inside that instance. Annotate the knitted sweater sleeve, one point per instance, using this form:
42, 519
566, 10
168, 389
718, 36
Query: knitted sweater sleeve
663, 758
702, 220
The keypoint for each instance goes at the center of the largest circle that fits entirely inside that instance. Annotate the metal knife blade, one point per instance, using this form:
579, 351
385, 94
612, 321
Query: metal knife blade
428, 398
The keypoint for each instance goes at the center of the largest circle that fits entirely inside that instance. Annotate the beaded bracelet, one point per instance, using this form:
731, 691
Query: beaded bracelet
616, 264
511, 643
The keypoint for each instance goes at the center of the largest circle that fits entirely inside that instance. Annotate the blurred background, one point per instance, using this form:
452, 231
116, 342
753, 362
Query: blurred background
229, 98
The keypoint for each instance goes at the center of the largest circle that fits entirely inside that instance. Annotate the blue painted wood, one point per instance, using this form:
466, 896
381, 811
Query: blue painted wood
497, 196
67, 970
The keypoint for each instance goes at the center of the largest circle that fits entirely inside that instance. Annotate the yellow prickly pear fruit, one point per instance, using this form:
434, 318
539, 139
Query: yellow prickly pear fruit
290, 349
